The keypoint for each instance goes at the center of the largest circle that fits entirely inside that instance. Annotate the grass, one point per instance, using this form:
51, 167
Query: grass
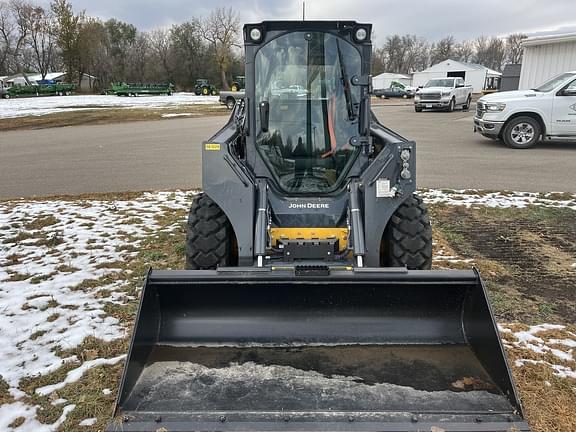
519, 252
107, 116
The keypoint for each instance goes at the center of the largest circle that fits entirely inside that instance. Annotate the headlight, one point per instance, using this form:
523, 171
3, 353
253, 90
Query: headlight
494, 107
256, 34
361, 34
446, 93
416, 96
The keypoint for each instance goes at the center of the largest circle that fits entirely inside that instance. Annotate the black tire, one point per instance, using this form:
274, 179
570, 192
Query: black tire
235, 87
408, 237
466, 106
205, 91
417, 109
452, 105
230, 103
209, 236
512, 134
213, 92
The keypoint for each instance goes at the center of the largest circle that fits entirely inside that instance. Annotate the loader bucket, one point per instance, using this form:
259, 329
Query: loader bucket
265, 350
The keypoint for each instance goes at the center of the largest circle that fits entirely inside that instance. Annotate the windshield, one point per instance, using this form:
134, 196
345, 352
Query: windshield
440, 83
312, 109
554, 82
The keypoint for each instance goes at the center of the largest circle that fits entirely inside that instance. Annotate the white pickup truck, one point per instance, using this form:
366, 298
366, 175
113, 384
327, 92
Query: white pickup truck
443, 93
520, 118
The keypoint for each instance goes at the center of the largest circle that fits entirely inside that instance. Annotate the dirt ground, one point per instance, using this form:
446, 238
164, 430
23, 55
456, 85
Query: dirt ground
526, 256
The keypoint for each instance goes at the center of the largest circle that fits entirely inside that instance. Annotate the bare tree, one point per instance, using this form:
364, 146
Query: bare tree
14, 31
514, 48
160, 43
490, 52
464, 51
42, 40
442, 50
221, 30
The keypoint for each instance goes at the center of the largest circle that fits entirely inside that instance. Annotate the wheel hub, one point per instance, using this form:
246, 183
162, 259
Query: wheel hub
522, 133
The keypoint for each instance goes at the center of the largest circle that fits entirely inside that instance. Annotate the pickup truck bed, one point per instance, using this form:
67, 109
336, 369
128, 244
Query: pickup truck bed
229, 98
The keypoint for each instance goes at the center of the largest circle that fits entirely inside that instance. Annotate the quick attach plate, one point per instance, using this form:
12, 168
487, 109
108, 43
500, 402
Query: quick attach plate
309, 249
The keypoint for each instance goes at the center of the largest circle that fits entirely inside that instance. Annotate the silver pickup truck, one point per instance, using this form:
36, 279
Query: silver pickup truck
443, 93
229, 98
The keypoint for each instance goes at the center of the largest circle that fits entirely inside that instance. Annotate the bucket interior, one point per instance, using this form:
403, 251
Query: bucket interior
315, 346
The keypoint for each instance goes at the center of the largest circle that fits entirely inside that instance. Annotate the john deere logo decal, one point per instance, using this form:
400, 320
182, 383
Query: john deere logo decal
573, 107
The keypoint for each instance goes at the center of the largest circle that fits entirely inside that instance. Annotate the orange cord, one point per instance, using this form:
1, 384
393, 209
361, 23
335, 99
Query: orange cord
331, 134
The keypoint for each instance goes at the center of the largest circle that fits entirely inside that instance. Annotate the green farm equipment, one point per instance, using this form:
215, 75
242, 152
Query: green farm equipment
204, 88
40, 89
238, 84
132, 89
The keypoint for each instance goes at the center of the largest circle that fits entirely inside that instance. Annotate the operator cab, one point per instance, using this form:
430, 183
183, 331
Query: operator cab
308, 109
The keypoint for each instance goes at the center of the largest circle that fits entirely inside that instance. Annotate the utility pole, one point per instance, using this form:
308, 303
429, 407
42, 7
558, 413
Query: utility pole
303, 11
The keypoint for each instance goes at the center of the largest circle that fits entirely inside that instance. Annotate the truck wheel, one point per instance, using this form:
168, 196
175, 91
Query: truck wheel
205, 91
452, 105
230, 103
417, 109
208, 236
213, 92
408, 237
466, 106
235, 87
521, 132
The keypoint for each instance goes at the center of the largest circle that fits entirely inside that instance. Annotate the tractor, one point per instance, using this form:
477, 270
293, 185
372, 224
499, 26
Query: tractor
308, 303
204, 88
238, 84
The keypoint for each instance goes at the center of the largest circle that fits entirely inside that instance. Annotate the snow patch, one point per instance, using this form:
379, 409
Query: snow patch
75, 374
39, 106
177, 115
478, 198
10, 412
88, 422
529, 340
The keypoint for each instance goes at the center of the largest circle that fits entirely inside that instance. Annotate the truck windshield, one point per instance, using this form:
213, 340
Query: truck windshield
440, 83
551, 84
312, 109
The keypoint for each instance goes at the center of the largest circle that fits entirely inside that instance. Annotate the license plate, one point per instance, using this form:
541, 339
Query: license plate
428, 105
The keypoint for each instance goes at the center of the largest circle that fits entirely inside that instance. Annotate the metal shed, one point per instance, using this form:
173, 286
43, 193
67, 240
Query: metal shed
474, 74
546, 56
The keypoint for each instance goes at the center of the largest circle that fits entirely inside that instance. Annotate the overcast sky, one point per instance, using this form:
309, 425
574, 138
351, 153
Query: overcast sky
463, 19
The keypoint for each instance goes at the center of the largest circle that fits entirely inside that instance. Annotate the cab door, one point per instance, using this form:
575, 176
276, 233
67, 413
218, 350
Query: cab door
564, 111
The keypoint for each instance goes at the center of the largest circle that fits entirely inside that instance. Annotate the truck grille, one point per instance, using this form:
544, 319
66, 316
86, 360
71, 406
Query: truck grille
430, 96
480, 109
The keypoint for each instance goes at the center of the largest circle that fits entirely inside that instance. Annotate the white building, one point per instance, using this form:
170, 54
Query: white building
478, 76
384, 80
59, 77
546, 56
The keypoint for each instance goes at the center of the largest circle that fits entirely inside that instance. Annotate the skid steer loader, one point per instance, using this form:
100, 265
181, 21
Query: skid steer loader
309, 303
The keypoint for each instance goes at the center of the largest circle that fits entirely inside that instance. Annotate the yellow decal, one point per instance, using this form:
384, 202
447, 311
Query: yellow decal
212, 147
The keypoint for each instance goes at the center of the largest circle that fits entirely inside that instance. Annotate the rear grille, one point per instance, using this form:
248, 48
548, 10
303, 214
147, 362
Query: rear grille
430, 96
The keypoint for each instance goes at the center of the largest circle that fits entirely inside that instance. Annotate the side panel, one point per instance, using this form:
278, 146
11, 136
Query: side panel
378, 209
231, 186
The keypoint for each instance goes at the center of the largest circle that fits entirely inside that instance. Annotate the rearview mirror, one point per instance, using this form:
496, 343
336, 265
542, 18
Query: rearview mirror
458, 85
569, 92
